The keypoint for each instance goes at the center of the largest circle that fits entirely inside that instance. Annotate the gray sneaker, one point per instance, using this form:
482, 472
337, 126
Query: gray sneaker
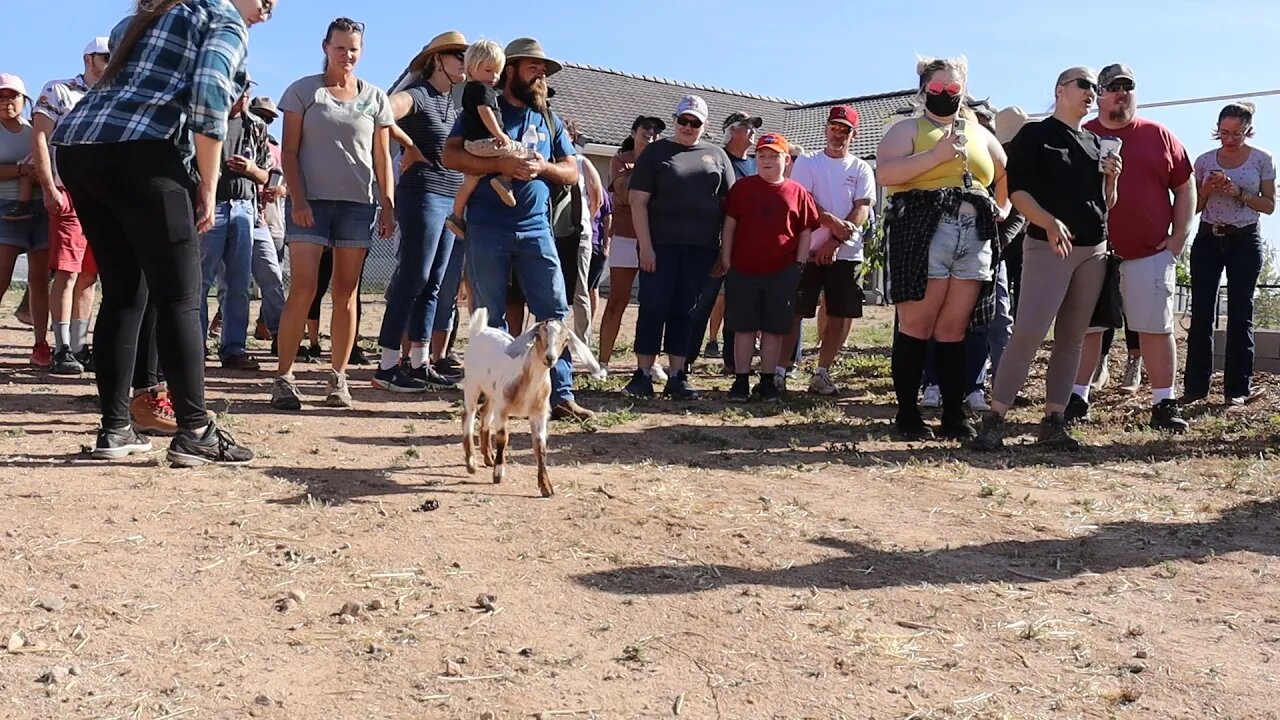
1132, 380
339, 394
285, 395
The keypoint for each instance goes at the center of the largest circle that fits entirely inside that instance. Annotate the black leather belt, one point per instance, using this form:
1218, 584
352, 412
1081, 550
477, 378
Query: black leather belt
1224, 230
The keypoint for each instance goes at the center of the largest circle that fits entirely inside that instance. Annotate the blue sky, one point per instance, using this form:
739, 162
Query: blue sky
806, 51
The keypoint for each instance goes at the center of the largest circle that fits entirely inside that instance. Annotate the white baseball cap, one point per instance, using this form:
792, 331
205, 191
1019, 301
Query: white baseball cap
692, 105
98, 46
9, 81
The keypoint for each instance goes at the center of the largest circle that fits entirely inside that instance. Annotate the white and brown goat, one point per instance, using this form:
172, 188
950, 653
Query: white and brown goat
508, 377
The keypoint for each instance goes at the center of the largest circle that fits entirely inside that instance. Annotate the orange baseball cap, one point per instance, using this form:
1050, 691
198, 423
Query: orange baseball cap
775, 141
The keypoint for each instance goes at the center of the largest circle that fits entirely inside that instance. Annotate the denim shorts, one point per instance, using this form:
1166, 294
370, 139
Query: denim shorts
30, 235
957, 252
338, 224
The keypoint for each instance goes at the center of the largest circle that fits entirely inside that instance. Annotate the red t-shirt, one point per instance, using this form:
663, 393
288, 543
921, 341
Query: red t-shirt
770, 220
1154, 164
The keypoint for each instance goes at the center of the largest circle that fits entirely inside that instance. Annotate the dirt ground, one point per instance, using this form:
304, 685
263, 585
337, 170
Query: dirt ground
700, 560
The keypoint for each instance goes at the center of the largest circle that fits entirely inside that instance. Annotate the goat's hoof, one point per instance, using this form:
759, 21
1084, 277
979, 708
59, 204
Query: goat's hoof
546, 490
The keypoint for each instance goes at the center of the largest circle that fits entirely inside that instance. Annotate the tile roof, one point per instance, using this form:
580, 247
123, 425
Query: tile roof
876, 113
605, 102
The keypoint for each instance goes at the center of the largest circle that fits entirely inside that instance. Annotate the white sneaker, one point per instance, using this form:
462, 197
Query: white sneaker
821, 383
932, 397
1132, 375
977, 402
657, 374
1101, 374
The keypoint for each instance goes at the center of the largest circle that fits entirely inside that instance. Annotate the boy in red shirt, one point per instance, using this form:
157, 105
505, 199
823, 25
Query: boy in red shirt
764, 243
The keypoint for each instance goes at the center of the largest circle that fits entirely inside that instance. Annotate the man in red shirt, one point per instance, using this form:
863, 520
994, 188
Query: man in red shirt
766, 234
1148, 227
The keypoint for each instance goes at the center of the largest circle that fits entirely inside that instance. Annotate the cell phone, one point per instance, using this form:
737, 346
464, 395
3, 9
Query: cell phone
957, 127
275, 179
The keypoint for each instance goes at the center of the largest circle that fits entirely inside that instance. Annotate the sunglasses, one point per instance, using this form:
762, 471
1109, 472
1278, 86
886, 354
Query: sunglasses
343, 23
267, 7
1120, 86
937, 87
1238, 134
839, 128
461, 56
687, 121
650, 129
1083, 84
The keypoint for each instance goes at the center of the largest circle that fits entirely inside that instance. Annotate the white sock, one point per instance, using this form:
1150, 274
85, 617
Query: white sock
199, 432
1082, 391
61, 335
79, 334
390, 358
418, 356
1160, 395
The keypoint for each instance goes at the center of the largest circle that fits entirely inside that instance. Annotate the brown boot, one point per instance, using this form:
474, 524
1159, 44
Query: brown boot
152, 413
570, 410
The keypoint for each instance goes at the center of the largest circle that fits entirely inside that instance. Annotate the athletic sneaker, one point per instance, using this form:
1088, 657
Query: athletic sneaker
431, 379
284, 394
640, 386
357, 356
741, 390
118, 443
977, 402
214, 447
1168, 416
678, 387
1101, 374
1132, 379
1077, 411
339, 394
397, 380
932, 397
65, 363
85, 356
449, 368
822, 384
41, 355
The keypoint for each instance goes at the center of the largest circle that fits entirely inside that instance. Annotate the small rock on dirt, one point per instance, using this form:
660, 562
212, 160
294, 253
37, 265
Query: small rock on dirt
52, 603
452, 669
263, 700
345, 619
488, 715
285, 605
297, 596
428, 506
1141, 654
486, 601
350, 608
75, 670
377, 604
56, 675
16, 641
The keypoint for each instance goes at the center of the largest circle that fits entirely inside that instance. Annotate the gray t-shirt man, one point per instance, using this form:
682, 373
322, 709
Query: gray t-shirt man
687, 186
336, 153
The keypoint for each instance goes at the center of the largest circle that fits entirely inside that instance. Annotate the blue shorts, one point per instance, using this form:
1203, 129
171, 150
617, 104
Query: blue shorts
30, 235
957, 252
338, 224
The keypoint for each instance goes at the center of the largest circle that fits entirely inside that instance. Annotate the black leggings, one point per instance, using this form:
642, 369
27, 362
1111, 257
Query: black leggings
322, 287
146, 366
134, 201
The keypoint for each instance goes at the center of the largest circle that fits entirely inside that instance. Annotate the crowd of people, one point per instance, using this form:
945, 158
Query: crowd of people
156, 172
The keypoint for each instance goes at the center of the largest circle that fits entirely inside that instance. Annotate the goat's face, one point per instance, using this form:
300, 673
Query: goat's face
549, 341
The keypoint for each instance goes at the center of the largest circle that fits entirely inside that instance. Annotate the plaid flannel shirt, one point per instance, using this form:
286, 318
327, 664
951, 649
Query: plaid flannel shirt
179, 80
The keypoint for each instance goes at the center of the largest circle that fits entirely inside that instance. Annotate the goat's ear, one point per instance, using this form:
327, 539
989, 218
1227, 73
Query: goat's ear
583, 352
521, 345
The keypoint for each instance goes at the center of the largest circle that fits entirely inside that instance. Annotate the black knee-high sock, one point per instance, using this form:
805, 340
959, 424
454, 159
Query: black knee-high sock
951, 377
908, 371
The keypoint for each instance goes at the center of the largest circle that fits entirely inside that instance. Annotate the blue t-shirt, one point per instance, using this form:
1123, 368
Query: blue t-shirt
532, 210
742, 167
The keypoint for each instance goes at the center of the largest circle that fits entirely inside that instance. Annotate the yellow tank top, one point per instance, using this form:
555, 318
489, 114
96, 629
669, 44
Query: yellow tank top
950, 173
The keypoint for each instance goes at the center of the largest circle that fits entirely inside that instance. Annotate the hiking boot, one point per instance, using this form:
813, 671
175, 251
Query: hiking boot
215, 325
152, 413
214, 447
767, 388
502, 187
239, 361
449, 368
1101, 374
712, 351
65, 363
357, 356
956, 426
932, 397
821, 383
977, 402
118, 443
1168, 416
1053, 433
456, 225
284, 394
397, 380
1077, 412
41, 355
1132, 379
85, 356
339, 394
678, 387
657, 373
433, 380
260, 331
571, 410
990, 433
909, 425
741, 390
640, 386
22, 210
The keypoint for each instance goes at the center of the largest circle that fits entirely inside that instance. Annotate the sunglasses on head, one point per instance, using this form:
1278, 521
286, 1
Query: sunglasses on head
688, 121
1118, 86
937, 87
347, 25
1083, 84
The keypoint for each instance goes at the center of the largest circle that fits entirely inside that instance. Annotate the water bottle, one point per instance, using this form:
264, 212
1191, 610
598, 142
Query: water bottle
530, 139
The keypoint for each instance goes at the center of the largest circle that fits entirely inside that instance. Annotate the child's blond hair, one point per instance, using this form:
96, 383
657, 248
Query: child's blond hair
481, 53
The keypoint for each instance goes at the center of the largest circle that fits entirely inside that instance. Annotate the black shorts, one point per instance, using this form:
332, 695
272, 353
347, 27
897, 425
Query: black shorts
838, 281
596, 271
761, 303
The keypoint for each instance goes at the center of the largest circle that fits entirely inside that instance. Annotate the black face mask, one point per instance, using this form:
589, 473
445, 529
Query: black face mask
942, 104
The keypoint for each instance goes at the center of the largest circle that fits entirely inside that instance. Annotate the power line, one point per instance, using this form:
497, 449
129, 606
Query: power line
1193, 101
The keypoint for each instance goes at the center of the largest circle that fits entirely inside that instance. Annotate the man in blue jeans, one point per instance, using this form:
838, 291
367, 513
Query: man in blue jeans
245, 161
501, 238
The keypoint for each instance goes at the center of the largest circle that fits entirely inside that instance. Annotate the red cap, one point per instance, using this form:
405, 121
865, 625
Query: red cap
843, 114
774, 140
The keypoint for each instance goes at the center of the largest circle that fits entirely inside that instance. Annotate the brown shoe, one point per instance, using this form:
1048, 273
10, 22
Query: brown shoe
261, 332
571, 410
240, 361
152, 413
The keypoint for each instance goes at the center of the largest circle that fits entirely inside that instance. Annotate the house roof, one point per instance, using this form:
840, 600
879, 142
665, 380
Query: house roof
605, 102
805, 123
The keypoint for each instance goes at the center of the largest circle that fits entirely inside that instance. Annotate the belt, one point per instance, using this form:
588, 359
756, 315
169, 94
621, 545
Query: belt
1224, 230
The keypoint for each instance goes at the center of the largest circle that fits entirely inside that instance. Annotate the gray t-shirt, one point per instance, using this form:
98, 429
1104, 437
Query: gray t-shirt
336, 153
1227, 210
687, 187
14, 148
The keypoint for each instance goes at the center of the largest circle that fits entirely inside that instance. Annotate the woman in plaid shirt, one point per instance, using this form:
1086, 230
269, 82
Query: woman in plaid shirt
140, 155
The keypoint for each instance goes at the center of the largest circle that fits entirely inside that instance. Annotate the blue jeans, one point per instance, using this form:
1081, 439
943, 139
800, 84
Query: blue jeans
667, 298
425, 246
266, 273
1001, 327
447, 304
494, 253
1240, 255
229, 244
702, 316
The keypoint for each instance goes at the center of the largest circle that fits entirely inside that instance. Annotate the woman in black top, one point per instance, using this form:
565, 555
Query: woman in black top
1058, 180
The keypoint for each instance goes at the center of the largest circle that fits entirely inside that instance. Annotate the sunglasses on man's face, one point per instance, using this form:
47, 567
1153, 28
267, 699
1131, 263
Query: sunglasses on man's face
839, 128
689, 121
937, 87
1083, 84
1120, 86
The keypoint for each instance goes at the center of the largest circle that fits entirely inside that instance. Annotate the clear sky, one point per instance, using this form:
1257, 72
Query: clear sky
803, 50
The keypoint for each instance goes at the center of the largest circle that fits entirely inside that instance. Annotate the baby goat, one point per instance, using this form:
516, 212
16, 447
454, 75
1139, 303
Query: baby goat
509, 377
